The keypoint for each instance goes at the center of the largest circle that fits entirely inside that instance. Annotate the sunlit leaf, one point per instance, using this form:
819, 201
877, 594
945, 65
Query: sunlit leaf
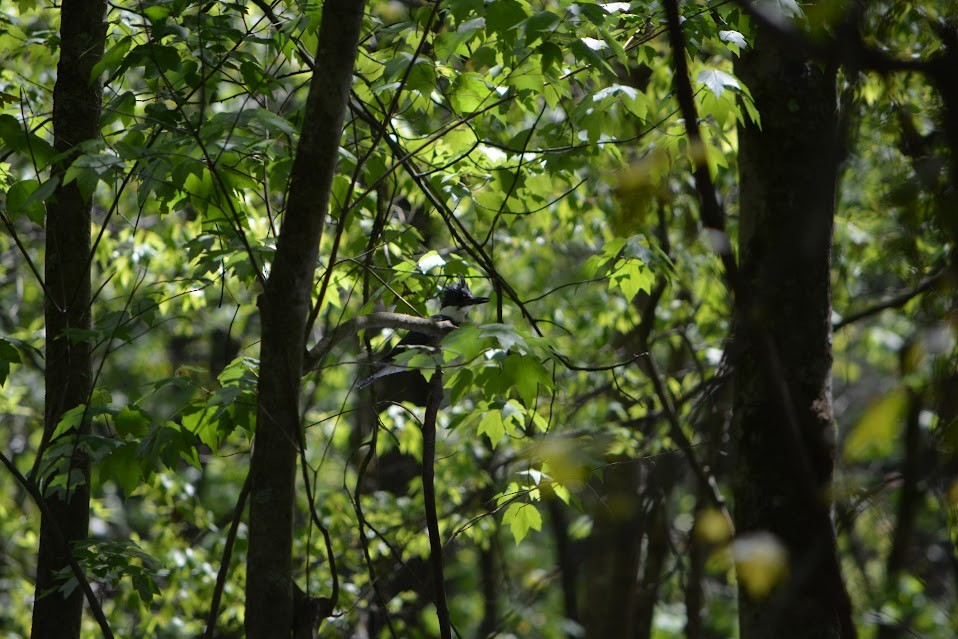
522, 517
491, 426
733, 37
631, 276
717, 81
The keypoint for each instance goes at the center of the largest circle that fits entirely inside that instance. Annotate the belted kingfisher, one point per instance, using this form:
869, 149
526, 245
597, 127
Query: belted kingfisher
396, 383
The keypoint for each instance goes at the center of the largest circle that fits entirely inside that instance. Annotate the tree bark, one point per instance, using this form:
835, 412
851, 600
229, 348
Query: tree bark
613, 553
68, 375
782, 428
284, 306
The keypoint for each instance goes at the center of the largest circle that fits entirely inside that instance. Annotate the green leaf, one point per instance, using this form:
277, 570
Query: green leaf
491, 426
124, 467
112, 58
85, 177
157, 12
502, 17
521, 518
459, 384
8, 355
254, 77
449, 43
132, 420
167, 443
421, 77
157, 57
274, 124
145, 586
111, 561
631, 276
121, 107
466, 342
878, 432
593, 264
419, 359
27, 197
505, 335
15, 137
539, 26
525, 373
468, 93
591, 51
74, 417
211, 424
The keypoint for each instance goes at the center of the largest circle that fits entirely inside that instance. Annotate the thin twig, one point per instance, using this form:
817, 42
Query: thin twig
225, 560
330, 604
896, 301
23, 251
706, 479
75, 568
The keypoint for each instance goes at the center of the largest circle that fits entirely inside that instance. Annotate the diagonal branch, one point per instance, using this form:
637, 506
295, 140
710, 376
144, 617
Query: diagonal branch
431, 327
896, 301
224, 570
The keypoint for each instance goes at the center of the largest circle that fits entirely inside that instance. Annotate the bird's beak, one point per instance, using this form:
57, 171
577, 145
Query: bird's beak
477, 300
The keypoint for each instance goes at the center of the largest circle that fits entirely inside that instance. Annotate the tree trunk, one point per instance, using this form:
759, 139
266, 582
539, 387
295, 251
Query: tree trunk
783, 427
76, 118
284, 306
613, 554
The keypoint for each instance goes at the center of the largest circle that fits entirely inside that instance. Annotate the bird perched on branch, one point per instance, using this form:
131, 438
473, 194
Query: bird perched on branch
394, 382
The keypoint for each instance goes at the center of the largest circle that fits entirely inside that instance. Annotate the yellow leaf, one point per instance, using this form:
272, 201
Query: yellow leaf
712, 527
878, 431
761, 563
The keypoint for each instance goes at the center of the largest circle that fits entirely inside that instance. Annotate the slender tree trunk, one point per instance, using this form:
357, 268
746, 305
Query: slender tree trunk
614, 549
565, 558
76, 117
783, 427
656, 553
284, 306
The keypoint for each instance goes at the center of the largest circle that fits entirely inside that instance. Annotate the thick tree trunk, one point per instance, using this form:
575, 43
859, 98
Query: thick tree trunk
76, 118
783, 427
284, 306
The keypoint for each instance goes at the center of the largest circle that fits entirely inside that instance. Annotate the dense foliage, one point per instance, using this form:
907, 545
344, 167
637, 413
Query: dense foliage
534, 149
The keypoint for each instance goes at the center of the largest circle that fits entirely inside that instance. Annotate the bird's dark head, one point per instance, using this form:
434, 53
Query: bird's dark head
457, 299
